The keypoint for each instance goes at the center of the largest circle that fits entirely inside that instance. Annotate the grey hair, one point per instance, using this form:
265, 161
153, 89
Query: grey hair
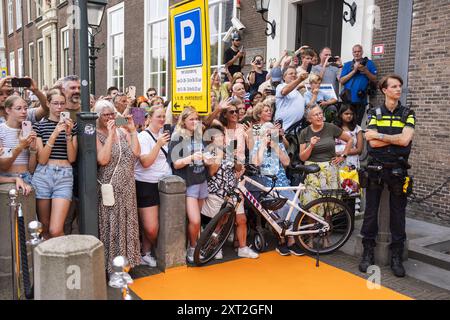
100, 105
68, 79
309, 110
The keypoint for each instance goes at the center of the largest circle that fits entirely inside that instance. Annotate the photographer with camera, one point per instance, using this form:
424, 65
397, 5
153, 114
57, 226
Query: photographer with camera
355, 77
329, 68
257, 76
390, 133
234, 57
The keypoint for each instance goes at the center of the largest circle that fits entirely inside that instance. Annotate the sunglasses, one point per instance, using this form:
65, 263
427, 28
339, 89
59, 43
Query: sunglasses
233, 112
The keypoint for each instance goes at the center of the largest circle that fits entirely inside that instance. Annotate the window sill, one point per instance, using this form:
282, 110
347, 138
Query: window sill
63, 4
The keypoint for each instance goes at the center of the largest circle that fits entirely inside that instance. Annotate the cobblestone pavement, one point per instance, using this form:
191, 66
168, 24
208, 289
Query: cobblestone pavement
408, 286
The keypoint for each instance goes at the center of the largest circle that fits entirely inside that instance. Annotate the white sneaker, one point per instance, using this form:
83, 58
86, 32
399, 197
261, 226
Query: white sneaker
246, 252
148, 260
219, 255
190, 254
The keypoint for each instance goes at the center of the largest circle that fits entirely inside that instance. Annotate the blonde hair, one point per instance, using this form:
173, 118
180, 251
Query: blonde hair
152, 110
55, 92
315, 78
258, 110
11, 101
188, 111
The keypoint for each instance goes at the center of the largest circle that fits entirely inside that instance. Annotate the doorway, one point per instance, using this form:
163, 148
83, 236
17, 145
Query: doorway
319, 24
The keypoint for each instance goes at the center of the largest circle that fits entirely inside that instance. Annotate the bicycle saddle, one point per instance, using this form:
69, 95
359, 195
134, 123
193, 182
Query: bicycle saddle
300, 168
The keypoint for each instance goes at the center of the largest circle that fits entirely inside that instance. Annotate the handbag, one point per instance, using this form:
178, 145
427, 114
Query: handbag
107, 189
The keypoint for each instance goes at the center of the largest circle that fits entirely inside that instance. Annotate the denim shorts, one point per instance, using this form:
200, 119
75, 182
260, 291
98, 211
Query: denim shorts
26, 176
53, 182
198, 191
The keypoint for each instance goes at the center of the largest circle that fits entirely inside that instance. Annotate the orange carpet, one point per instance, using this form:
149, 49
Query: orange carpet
270, 277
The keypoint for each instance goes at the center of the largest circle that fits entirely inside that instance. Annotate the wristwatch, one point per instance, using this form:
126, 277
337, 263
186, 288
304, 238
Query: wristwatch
380, 136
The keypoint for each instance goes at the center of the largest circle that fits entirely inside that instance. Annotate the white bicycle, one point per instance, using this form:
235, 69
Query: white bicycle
321, 226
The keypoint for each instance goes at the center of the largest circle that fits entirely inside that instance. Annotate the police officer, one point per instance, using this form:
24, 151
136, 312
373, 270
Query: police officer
390, 133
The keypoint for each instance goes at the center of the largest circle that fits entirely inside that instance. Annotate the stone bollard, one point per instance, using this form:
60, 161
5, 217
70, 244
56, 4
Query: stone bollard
171, 247
70, 268
383, 241
29, 211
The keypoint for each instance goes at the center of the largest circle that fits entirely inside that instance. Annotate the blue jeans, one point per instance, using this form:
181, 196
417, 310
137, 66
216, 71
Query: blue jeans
26, 176
53, 182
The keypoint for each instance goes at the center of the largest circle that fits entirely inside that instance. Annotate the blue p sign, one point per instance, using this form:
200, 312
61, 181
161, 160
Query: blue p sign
188, 39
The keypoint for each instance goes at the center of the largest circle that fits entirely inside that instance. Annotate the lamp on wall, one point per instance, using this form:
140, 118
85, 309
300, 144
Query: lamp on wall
96, 10
262, 6
350, 12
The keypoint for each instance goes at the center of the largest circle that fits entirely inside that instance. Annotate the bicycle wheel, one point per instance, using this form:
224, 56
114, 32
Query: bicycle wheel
214, 235
336, 213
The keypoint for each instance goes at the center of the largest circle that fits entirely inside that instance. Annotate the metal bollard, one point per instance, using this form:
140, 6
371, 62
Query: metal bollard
120, 279
15, 265
35, 229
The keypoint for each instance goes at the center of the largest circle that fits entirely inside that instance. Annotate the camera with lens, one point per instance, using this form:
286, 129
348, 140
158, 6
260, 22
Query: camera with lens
364, 61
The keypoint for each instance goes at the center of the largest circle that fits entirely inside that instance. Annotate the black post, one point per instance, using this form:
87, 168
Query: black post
92, 58
87, 153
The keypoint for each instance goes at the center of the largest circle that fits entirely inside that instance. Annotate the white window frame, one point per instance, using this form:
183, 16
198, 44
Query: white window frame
64, 30
12, 64
41, 69
18, 14
29, 12
10, 10
20, 66
39, 8
120, 6
147, 63
31, 58
220, 33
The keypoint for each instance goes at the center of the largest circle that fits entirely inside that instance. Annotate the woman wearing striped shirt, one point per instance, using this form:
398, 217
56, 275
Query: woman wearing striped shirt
53, 179
23, 149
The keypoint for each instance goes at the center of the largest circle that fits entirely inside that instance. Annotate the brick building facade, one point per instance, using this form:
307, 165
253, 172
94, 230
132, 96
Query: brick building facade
136, 53
39, 39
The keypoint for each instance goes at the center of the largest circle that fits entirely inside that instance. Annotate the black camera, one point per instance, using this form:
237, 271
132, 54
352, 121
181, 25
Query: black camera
364, 61
333, 59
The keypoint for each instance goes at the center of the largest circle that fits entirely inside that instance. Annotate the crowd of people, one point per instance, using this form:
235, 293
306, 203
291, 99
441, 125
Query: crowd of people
251, 112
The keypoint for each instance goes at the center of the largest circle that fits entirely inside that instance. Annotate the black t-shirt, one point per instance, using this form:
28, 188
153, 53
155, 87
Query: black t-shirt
260, 78
228, 55
182, 147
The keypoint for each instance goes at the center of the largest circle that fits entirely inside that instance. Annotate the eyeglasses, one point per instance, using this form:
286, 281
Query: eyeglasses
62, 104
233, 111
318, 115
151, 94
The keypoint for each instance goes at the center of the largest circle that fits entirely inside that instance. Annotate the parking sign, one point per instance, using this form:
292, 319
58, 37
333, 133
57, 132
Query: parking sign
190, 65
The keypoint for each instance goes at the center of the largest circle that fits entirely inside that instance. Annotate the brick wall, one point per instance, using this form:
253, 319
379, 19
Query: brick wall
254, 34
387, 36
429, 76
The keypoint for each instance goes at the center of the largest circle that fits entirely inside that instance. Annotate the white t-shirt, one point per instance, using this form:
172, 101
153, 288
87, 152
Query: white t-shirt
159, 169
289, 108
340, 147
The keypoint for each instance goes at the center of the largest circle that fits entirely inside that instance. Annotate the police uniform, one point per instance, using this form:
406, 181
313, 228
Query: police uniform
394, 161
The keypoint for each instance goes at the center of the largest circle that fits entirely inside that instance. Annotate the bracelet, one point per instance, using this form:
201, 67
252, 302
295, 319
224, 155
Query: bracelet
32, 152
50, 145
68, 137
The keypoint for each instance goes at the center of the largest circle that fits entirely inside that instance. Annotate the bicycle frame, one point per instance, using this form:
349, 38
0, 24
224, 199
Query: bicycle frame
292, 203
